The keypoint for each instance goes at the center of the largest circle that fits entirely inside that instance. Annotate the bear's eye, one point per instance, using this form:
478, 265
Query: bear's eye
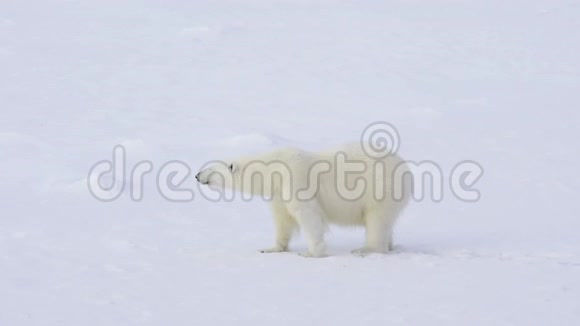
231, 167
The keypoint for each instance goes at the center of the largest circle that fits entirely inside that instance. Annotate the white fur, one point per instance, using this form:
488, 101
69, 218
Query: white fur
313, 214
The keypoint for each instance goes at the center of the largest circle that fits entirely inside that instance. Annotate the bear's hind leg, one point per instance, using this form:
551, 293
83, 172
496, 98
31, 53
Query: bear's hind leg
379, 229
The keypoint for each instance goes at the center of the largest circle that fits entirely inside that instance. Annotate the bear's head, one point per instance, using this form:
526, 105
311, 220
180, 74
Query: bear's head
218, 175
251, 176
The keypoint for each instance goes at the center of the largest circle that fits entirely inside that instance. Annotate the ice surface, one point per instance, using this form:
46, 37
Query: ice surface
490, 81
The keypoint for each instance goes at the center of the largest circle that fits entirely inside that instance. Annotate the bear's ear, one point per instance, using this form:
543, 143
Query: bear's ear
232, 167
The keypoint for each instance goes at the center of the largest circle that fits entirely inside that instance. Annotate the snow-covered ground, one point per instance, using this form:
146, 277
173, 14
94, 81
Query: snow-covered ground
492, 81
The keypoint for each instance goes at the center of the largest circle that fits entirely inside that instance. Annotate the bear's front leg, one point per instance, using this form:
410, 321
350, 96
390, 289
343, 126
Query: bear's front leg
284, 224
309, 216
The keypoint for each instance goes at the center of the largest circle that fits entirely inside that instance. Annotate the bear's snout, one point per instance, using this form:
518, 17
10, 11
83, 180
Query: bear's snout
203, 177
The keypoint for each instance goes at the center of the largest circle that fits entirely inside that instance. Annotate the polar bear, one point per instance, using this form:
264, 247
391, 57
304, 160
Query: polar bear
309, 191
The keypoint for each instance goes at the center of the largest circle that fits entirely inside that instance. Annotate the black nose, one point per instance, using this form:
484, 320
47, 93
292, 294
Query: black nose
197, 177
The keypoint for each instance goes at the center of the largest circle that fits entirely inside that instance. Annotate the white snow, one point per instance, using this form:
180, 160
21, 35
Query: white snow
491, 81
